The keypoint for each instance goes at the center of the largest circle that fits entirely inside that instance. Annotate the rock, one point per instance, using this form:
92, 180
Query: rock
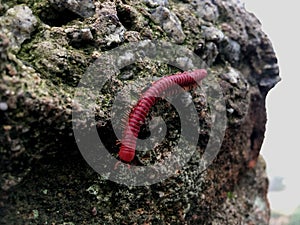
79, 37
40, 73
109, 29
206, 9
232, 76
156, 3
18, 23
230, 50
210, 53
84, 8
213, 34
169, 22
269, 82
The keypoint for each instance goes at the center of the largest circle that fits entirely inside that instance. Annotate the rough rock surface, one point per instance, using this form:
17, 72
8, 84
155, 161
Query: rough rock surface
45, 48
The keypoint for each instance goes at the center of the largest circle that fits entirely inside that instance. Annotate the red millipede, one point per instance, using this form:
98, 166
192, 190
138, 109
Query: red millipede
186, 80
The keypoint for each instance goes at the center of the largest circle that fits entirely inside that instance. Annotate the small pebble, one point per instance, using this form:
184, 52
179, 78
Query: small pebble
156, 3
127, 75
231, 110
213, 34
232, 76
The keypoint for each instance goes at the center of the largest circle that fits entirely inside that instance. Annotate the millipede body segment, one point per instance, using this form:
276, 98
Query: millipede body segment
162, 87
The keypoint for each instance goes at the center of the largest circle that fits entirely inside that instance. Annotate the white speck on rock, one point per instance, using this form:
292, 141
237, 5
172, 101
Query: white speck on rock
3, 106
232, 76
230, 110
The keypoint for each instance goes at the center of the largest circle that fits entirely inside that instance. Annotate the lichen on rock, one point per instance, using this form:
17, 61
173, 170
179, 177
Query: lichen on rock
18, 23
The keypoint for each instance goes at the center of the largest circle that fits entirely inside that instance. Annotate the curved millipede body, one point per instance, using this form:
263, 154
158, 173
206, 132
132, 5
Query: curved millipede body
161, 87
